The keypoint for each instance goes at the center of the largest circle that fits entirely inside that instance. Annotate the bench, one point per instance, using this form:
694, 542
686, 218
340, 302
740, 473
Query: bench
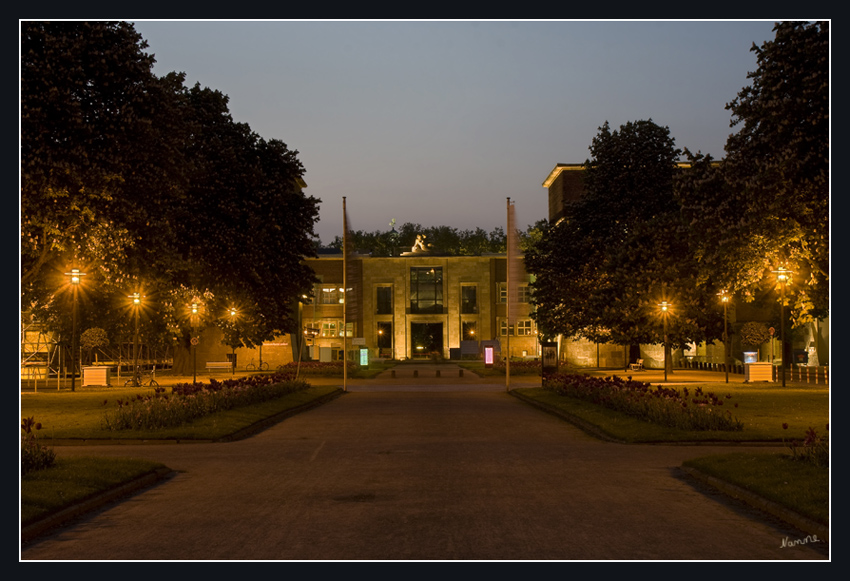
637, 365
222, 365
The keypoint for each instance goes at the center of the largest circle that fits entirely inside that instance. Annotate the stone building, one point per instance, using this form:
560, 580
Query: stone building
417, 305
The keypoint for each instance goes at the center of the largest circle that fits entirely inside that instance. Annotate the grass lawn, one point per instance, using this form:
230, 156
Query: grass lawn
73, 480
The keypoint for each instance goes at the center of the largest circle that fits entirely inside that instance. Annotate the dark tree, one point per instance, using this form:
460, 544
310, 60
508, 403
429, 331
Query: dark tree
151, 187
767, 203
621, 250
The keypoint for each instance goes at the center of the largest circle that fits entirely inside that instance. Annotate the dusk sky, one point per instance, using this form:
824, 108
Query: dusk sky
438, 122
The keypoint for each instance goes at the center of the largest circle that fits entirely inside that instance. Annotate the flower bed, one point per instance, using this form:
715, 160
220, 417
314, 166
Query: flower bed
662, 405
189, 401
814, 448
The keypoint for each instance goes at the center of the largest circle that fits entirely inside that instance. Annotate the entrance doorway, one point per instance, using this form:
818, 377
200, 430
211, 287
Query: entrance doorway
425, 339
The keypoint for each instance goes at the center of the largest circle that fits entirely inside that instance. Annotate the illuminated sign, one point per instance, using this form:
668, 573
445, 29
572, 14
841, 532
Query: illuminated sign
488, 356
364, 358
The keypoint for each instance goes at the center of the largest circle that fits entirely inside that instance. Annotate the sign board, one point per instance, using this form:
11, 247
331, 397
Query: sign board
358, 340
364, 358
488, 356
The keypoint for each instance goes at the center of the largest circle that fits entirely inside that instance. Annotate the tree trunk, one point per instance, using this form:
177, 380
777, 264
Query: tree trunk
183, 361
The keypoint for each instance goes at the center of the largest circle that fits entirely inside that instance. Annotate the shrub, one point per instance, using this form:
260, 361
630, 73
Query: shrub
34, 456
318, 368
519, 367
661, 405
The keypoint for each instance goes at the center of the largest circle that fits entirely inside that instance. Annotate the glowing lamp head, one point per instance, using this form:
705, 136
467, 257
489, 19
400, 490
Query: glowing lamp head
75, 276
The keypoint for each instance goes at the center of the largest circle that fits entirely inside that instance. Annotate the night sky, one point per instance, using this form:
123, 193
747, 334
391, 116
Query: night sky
438, 122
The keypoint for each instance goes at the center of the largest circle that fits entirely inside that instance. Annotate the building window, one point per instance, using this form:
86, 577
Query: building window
330, 295
524, 293
469, 300
329, 328
384, 300
469, 331
503, 328
524, 327
426, 290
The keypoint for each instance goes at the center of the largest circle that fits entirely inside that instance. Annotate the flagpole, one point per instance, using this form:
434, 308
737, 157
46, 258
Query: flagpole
508, 303
344, 297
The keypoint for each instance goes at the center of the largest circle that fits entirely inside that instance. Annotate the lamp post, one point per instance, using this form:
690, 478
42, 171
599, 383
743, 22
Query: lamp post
75, 277
194, 341
309, 333
137, 301
665, 311
724, 298
783, 275
233, 313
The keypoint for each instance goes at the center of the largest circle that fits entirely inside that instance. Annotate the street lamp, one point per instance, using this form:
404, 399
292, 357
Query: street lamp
137, 302
724, 298
233, 313
194, 340
75, 278
783, 276
665, 311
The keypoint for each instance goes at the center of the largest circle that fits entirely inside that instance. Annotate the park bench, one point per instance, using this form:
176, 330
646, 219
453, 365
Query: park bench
220, 365
637, 365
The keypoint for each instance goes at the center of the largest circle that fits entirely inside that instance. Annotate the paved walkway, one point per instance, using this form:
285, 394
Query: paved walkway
438, 470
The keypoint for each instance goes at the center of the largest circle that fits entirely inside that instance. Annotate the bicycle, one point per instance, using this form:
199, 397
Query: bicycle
251, 367
136, 380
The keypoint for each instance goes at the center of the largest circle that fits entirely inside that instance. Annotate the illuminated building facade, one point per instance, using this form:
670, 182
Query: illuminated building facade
417, 306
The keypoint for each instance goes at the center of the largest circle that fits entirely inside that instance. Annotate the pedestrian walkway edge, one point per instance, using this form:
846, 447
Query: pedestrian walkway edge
38, 528
791, 517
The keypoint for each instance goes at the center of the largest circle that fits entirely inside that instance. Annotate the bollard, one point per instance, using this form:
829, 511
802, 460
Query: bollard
460, 372
415, 373
438, 373
392, 373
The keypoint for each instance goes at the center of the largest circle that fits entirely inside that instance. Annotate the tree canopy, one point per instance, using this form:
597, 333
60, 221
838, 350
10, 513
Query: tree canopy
649, 228
150, 185
766, 204
619, 252
443, 240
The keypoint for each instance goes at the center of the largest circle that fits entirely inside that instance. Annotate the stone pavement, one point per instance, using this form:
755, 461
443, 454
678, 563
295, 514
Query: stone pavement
436, 469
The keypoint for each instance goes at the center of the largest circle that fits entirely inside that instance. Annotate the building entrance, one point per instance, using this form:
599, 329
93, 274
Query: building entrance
426, 338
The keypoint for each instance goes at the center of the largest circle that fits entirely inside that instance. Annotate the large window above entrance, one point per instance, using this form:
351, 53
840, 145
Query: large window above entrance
469, 300
426, 290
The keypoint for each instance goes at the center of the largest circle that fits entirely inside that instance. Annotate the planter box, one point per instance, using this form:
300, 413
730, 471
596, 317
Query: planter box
762, 371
